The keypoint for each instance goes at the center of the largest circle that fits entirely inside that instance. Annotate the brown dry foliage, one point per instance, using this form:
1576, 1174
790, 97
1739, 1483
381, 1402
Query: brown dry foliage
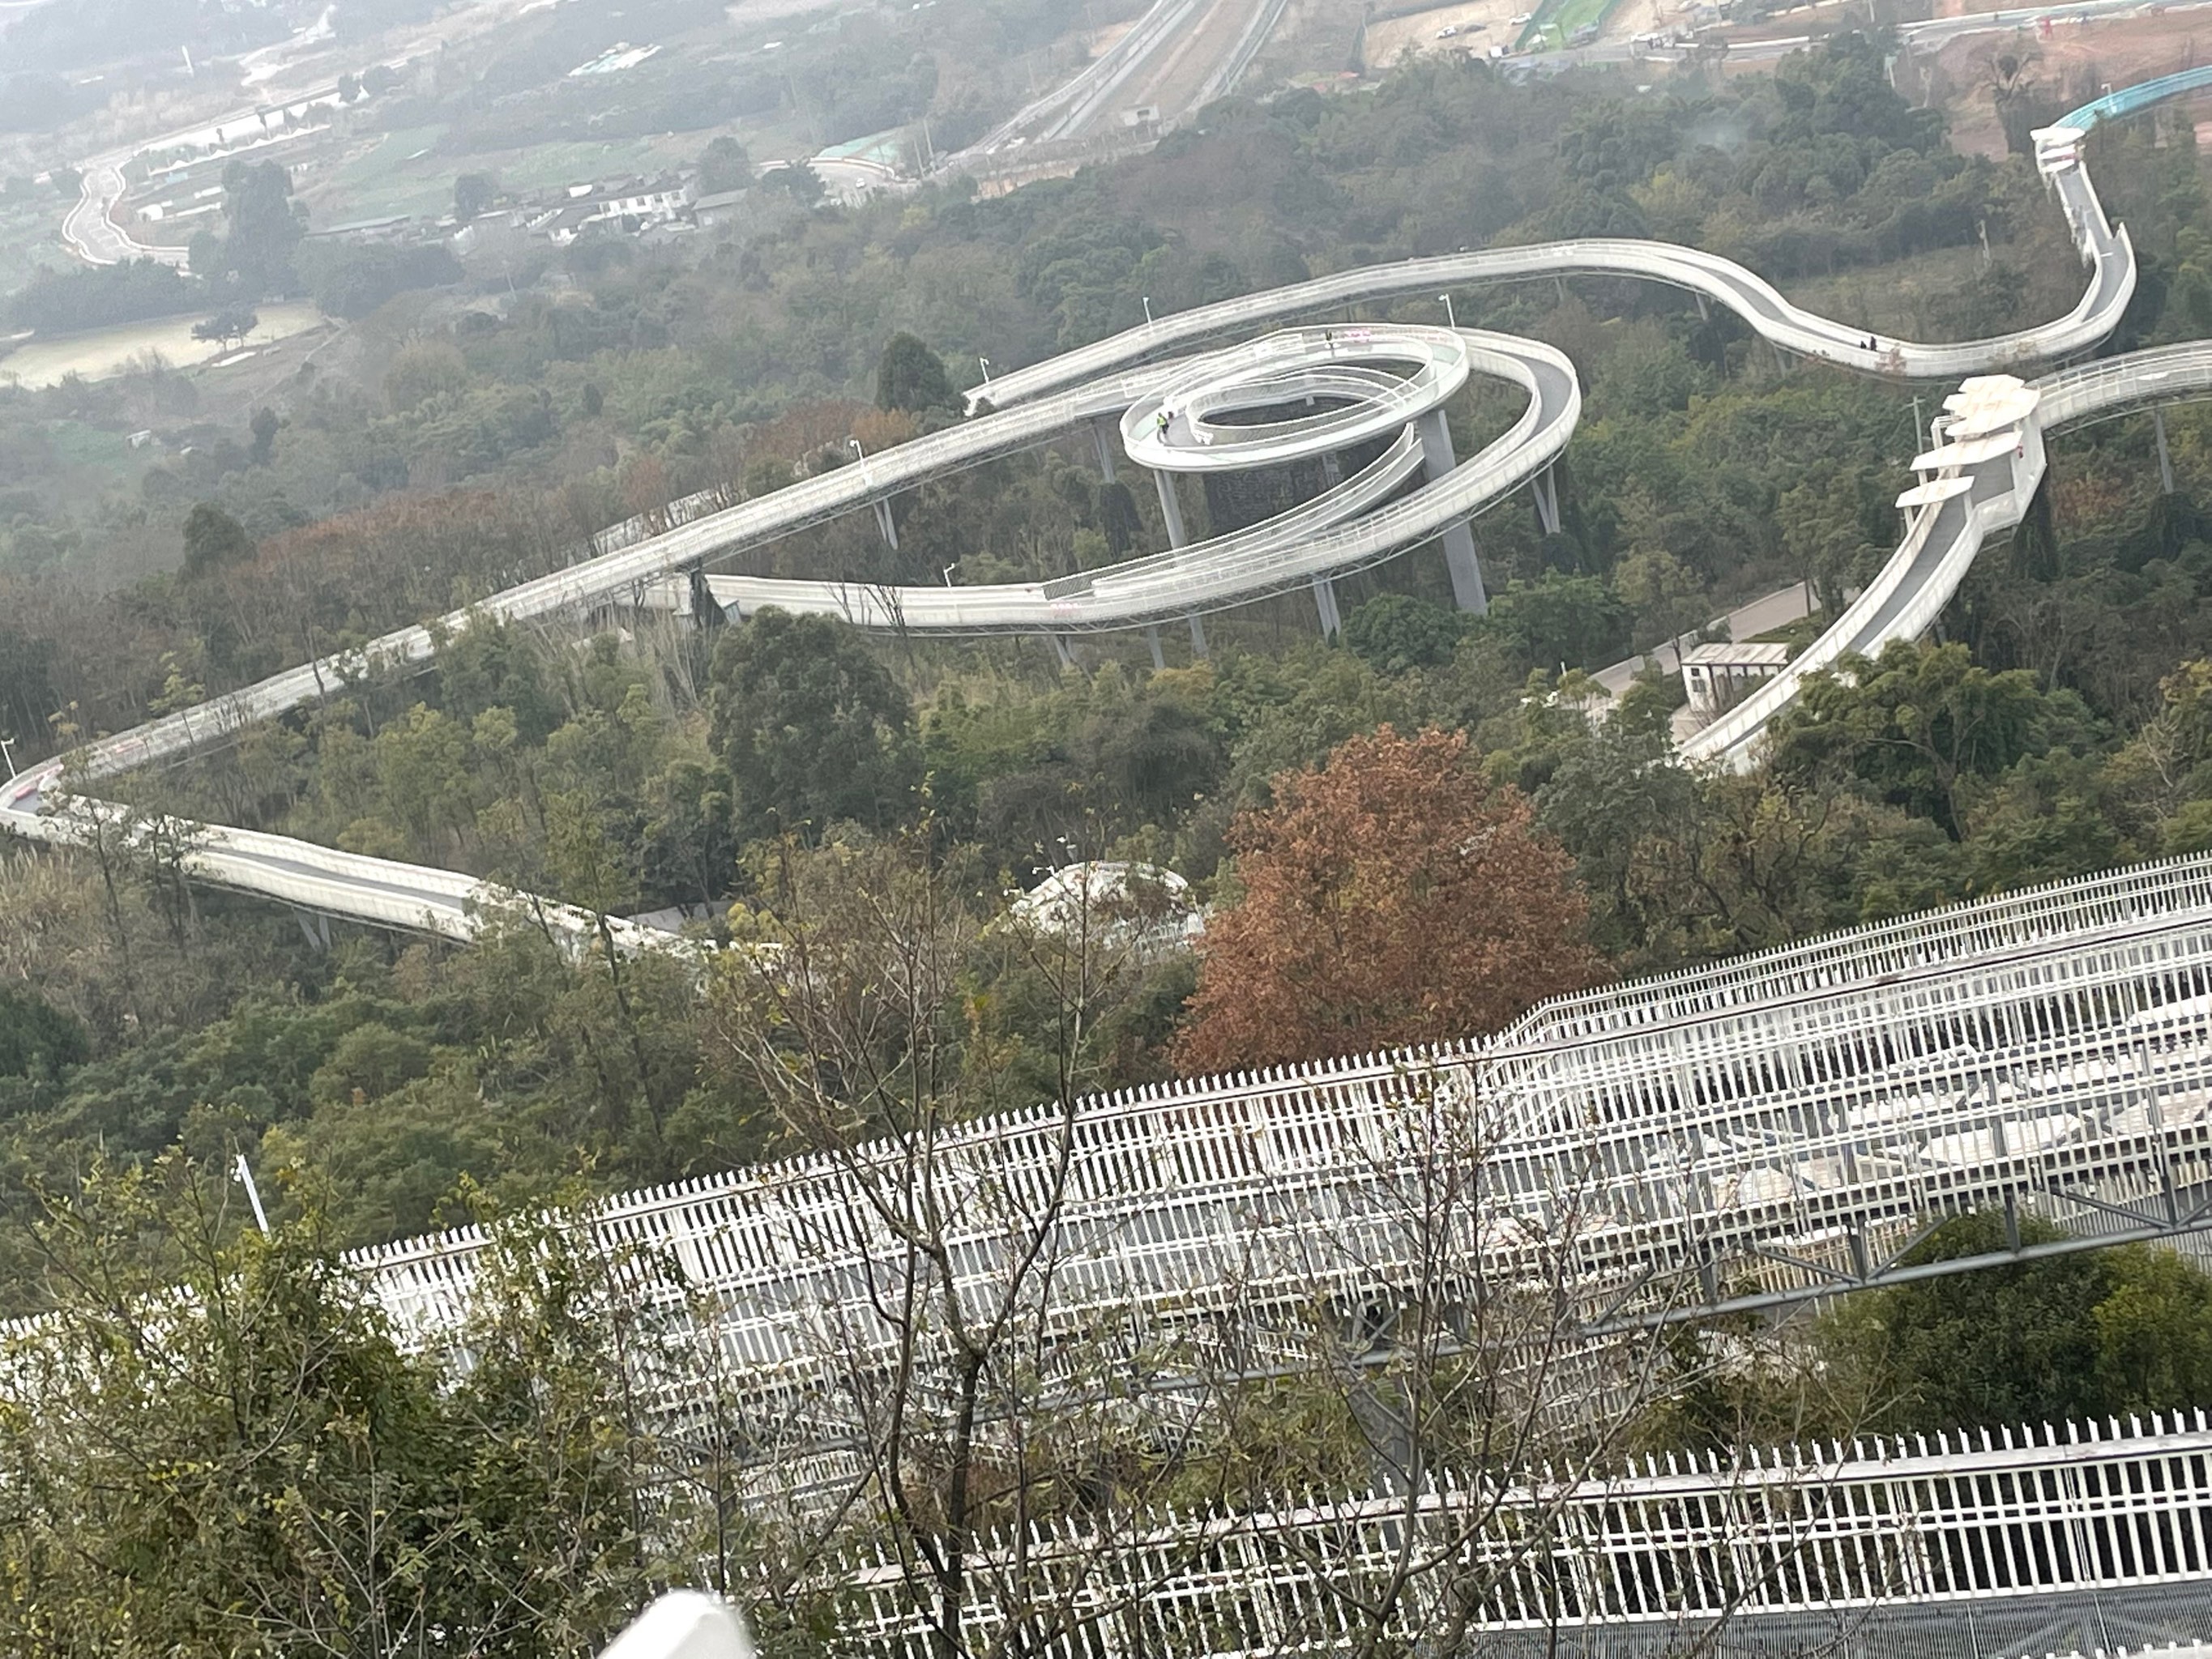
1391, 897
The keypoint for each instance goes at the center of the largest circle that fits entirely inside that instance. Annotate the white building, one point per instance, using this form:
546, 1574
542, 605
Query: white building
633, 205
1718, 676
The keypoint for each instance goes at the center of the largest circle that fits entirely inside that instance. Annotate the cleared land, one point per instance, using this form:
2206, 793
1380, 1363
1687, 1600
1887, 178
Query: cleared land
99, 353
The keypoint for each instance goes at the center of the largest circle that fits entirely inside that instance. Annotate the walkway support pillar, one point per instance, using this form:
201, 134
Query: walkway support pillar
1545, 488
1159, 657
1102, 436
1437, 460
1197, 635
707, 611
883, 523
1332, 622
2165, 460
1171, 509
317, 927
1705, 308
1061, 655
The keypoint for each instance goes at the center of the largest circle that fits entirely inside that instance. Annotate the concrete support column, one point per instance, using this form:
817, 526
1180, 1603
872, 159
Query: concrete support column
1197, 635
1159, 657
1545, 488
1171, 509
1331, 623
2165, 460
316, 926
883, 523
1704, 309
1104, 436
1466, 571
1060, 652
706, 610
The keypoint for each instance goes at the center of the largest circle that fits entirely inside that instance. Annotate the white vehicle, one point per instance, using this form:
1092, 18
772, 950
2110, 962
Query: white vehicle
1519, 19
1496, 52
1447, 31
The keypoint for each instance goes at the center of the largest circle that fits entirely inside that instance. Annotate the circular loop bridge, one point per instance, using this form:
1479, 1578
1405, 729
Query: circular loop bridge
1327, 390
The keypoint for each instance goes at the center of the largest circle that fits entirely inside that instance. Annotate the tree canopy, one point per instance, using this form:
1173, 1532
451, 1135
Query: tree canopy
213, 539
811, 726
1389, 897
724, 166
2098, 1333
912, 377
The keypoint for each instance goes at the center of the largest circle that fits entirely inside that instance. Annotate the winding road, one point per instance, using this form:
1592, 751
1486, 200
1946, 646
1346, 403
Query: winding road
1097, 386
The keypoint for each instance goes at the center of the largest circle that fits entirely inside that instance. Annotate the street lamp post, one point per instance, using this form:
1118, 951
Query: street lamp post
986, 361
7, 748
1148, 311
948, 569
1451, 317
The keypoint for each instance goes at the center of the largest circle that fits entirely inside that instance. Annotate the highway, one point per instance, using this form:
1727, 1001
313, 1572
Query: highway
1104, 382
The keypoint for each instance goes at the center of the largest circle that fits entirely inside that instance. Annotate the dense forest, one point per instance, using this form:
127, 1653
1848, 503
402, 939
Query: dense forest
782, 775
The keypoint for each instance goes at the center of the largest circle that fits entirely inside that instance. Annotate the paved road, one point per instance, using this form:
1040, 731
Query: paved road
93, 236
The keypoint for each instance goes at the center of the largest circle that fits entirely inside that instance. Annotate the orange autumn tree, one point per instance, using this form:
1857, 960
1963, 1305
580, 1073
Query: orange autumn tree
1390, 897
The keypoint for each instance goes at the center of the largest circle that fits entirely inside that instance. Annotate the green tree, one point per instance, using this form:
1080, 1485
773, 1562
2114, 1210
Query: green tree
1918, 725
724, 166
1577, 620
2089, 1334
912, 377
230, 325
1395, 632
263, 427
278, 1474
264, 224
811, 726
35, 1037
473, 192
795, 179
213, 539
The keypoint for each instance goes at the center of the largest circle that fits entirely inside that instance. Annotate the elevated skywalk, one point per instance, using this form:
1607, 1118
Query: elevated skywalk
1076, 390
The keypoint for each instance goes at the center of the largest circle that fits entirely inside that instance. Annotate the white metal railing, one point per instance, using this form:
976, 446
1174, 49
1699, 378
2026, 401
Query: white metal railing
1918, 1522
2061, 1045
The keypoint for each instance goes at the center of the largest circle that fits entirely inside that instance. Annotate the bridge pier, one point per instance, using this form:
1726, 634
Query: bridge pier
1705, 308
2165, 460
883, 523
1466, 571
1062, 654
1332, 621
1197, 636
707, 611
1545, 488
1102, 438
1159, 657
317, 927
1171, 509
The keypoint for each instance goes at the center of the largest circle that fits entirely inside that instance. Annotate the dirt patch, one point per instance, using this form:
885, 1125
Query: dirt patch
2070, 62
1476, 27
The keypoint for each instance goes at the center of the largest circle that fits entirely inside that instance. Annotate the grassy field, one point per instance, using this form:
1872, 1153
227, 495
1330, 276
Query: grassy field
1558, 20
100, 352
407, 173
